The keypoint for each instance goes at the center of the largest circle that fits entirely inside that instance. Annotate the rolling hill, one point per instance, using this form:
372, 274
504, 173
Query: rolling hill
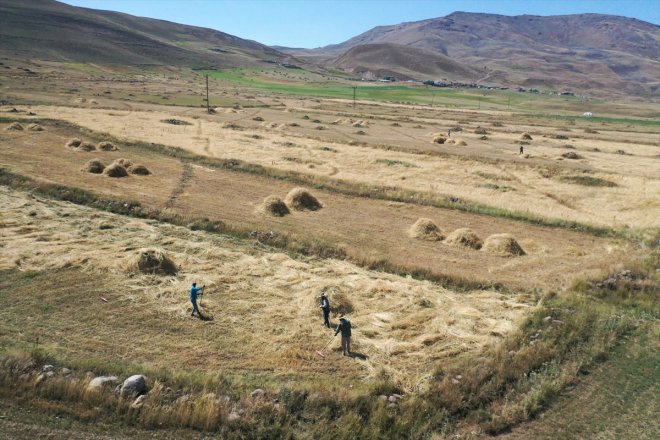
585, 52
49, 30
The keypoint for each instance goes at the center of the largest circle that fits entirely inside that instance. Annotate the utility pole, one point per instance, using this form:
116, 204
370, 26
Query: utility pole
208, 105
354, 88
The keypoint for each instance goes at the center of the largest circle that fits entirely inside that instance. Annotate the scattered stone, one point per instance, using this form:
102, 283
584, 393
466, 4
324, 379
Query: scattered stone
382, 397
258, 393
48, 367
101, 381
391, 399
136, 384
512, 353
65, 371
547, 318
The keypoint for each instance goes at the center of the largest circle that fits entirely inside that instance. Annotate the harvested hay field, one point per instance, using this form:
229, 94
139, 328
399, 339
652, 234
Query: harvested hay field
139, 170
115, 170
364, 229
632, 204
503, 245
300, 199
94, 166
261, 284
464, 237
425, 229
273, 206
152, 262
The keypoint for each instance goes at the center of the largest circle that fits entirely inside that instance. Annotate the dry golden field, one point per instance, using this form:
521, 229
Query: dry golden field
582, 203
489, 172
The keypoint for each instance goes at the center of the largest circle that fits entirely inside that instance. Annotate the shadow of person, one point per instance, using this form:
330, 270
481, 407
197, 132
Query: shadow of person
205, 317
362, 357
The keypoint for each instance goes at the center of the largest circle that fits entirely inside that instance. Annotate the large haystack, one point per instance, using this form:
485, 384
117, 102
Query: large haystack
503, 245
115, 170
14, 126
425, 229
273, 206
461, 142
464, 237
139, 170
73, 143
94, 166
35, 127
86, 146
152, 262
299, 199
526, 137
106, 146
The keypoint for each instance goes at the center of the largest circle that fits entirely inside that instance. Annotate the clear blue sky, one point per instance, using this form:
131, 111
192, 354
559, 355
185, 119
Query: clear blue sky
315, 23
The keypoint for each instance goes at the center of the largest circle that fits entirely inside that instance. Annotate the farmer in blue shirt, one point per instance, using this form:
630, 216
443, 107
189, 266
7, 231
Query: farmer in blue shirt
194, 291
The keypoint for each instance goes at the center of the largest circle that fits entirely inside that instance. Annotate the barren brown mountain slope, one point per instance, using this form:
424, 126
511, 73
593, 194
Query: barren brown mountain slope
50, 30
601, 54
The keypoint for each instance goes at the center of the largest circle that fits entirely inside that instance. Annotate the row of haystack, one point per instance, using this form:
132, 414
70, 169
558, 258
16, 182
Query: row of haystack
118, 168
298, 199
17, 126
497, 244
439, 138
79, 145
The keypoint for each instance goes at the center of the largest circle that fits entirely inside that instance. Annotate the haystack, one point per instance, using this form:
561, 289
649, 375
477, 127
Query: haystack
152, 262
14, 126
115, 170
526, 137
94, 166
87, 146
139, 170
425, 229
35, 127
503, 245
300, 199
273, 206
450, 141
123, 162
106, 146
73, 143
439, 139
461, 142
464, 237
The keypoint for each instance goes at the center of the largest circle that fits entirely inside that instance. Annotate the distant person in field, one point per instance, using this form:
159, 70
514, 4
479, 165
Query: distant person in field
325, 306
345, 328
521, 149
449, 133
194, 291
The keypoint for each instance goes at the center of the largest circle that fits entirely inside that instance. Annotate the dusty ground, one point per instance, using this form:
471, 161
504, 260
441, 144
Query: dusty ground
368, 230
264, 304
489, 172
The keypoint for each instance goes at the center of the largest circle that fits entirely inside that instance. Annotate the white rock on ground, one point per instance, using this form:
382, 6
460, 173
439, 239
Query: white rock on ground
136, 384
99, 382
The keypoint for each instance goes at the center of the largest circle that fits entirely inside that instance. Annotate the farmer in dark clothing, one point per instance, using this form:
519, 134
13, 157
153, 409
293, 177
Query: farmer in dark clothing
345, 328
194, 291
521, 149
325, 306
